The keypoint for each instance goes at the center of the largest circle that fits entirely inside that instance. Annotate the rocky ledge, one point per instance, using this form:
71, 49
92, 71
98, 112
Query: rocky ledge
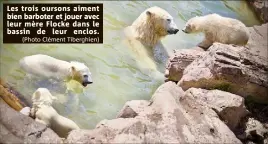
172, 116
239, 70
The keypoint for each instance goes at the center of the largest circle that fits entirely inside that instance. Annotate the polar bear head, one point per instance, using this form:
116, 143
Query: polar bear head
153, 24
162, 21
42, 96
80, 72
193, 25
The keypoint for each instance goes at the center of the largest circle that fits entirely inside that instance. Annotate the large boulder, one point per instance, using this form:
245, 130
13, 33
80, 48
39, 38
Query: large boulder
179, 61
230, 107
229, 68
170, 117
18, 128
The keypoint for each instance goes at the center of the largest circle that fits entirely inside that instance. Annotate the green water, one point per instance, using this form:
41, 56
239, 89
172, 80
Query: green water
117, 77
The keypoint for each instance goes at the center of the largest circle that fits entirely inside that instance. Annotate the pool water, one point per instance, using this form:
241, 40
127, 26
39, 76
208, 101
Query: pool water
115, 70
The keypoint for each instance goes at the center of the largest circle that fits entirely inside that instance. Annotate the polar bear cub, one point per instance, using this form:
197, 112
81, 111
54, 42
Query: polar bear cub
49, 67
44, 113
218, 29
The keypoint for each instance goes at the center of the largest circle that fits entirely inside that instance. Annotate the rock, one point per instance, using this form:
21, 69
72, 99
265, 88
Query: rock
231, 108
255, 131
258, 40
261, 9
179, 61
229, 68
132, 108
18, 128
171, 117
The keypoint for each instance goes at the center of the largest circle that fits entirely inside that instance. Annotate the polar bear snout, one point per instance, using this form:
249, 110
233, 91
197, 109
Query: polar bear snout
183, 30
172, 31
87, 80
85, 83
171, 26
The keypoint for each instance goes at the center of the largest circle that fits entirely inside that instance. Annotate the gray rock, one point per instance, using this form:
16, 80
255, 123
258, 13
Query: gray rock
132, 108
256, 47
15, 127
258, 40
179, 61
229, 68
171, 117
231, 108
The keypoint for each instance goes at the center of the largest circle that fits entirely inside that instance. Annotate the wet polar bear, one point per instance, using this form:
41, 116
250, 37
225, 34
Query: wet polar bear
49, 67
218, 29
146, 33
43, 112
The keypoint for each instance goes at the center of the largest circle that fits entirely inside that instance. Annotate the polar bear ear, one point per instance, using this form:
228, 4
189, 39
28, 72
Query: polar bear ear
72, 68
73, 71
148, 13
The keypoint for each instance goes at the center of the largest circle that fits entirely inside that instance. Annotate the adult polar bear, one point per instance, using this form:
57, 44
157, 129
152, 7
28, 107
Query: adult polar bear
146, 32
43, 112
49, 67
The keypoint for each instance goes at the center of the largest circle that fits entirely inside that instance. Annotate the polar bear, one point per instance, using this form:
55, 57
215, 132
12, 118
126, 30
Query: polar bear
49, 67
146, 33
43, 112
218, 29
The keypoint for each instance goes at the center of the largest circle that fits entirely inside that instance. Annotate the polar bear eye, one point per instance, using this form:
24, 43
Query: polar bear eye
85, 76
169, 20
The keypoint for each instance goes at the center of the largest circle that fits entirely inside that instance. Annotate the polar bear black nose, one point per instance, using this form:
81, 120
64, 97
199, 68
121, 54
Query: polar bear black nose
175, 31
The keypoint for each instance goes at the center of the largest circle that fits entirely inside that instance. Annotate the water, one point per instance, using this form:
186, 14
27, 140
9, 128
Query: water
117, 77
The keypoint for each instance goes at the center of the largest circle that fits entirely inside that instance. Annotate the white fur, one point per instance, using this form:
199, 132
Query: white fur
44, 113
146, 33
149, 30
218, 29
49, 67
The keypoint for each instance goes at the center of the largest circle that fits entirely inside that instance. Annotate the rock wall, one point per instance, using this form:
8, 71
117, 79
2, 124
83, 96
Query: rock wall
172, 116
